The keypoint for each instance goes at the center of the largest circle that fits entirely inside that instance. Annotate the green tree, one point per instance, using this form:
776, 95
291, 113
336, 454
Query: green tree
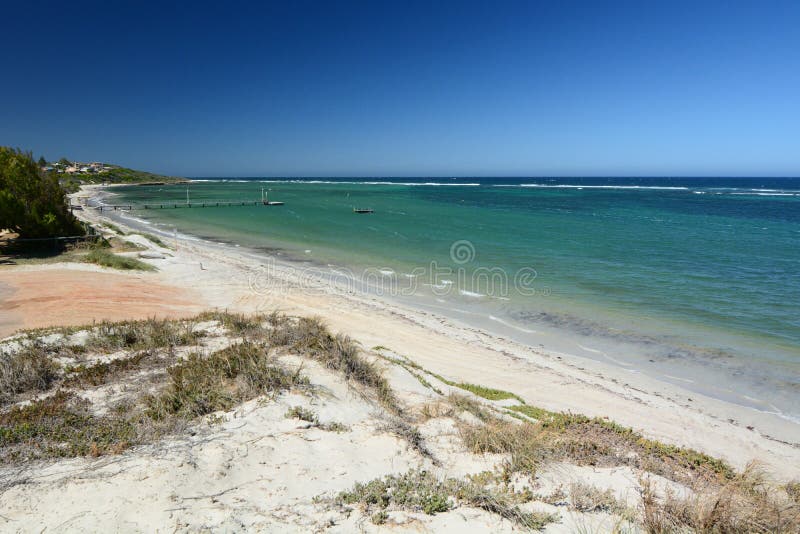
65, 161
42, 161
32, 202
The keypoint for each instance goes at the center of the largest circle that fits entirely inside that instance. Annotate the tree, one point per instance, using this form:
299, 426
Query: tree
32, 202
42, 161
65, 161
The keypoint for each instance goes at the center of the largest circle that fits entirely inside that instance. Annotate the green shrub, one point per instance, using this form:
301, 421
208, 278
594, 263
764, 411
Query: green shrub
32, 203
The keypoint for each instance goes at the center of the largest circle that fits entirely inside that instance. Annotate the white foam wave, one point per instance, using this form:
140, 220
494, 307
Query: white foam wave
576, 186
345, 182
768, 194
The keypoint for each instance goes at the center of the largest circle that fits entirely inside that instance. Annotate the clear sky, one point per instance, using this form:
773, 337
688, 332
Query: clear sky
407, 89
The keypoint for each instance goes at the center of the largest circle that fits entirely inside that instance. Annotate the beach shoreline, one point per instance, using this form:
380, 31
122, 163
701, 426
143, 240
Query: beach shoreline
696, 317
234, 280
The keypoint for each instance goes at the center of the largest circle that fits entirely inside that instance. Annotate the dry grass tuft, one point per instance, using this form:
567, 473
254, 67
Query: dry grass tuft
467, 404
401, 428
523, 443
748, 503
83, 376
239, 324
587, 498
202, 385
304, 414
29, 369
435, 410
309, 336
147, 334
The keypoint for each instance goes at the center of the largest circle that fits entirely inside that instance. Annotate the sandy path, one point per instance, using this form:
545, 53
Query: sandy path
71, 294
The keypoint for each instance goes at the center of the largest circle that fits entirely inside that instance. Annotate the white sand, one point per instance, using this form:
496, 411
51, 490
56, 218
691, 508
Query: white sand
259, 470
230, 279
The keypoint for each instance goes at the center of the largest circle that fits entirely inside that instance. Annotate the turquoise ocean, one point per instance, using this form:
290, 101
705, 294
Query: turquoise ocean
694, 281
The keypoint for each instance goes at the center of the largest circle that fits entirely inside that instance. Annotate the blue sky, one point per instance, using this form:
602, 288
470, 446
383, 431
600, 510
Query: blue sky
407, 89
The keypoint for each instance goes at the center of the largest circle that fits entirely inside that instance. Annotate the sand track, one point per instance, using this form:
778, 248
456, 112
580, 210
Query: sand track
74, 294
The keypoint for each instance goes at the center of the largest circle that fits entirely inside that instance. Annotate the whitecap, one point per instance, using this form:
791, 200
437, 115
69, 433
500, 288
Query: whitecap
577, 186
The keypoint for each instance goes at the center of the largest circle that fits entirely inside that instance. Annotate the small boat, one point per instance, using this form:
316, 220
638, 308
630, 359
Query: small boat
363, 210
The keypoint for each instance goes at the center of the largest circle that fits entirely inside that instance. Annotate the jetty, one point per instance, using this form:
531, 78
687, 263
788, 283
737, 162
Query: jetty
265, 199
172, 204
177, 205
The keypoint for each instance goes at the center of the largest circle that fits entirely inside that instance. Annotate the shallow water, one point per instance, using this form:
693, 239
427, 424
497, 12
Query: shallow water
692, 280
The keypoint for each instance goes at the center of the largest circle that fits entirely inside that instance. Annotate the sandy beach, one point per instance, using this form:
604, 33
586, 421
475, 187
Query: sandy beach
226, 278
255, 467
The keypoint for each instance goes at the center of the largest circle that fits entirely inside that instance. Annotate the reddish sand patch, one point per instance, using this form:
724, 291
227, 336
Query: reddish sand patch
32, 299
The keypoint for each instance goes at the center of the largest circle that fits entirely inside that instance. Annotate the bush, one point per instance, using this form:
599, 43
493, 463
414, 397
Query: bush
32, 203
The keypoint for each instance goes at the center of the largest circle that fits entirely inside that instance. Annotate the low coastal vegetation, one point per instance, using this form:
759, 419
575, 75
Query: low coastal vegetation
60, 396
422, 491
155, 240
99, 251
104, 258
187, 388
592, 441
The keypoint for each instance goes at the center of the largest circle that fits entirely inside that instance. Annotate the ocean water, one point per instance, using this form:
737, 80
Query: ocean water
695, 281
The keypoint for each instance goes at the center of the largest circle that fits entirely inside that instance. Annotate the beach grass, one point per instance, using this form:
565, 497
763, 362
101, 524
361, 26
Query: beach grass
154, 239
201, 385
123, 245
113, 227
105, 258
145, 334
